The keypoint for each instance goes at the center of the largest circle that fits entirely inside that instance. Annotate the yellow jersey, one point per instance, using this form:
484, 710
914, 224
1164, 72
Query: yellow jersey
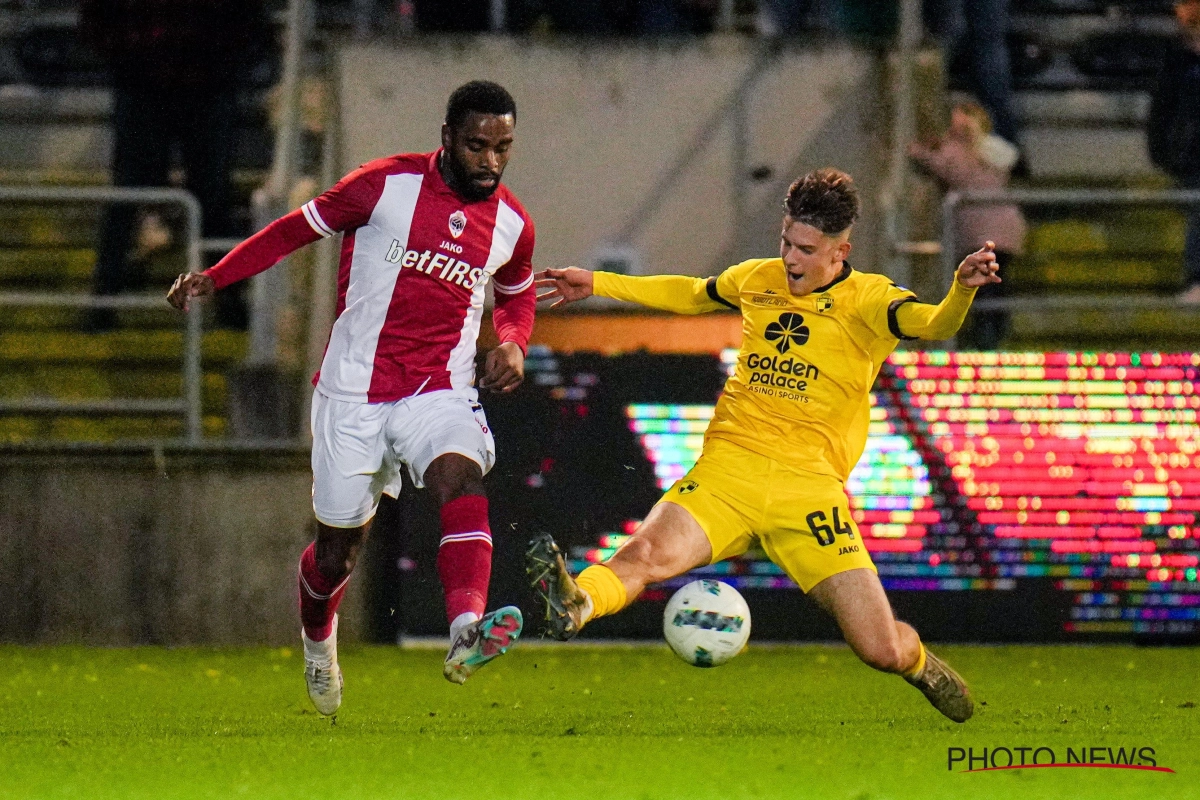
800, 393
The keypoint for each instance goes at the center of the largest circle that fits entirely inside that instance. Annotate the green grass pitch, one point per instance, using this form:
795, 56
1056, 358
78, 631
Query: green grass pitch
583, 722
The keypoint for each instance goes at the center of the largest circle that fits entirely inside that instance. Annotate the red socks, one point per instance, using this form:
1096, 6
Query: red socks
464, 565
319, 597
465, 556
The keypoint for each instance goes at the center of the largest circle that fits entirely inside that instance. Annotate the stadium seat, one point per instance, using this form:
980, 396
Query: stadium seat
43, 354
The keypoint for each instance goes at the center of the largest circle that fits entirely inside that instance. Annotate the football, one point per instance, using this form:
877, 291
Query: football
707, 623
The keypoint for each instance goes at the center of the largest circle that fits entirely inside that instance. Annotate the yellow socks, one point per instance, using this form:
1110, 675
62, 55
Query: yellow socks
608, 593
916, 668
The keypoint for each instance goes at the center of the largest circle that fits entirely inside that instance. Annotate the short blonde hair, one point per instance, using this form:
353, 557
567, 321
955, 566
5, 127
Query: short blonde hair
977, 113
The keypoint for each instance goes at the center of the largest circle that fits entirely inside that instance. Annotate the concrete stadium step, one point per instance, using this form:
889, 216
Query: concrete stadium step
46, 267
1082, 108
51, 247
56, 174
74, 319
1103, 250
136, 364
1101, 273
1110, 328
1085, 152
139, 349
48, 226
1133, 233
73, 382
16, 429
70, 269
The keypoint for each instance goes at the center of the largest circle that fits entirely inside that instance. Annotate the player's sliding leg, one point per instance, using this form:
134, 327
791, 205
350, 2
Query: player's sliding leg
668, 543
857, 601
465, 566
325, 568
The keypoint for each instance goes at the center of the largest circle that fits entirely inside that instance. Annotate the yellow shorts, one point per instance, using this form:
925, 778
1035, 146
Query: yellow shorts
802, 519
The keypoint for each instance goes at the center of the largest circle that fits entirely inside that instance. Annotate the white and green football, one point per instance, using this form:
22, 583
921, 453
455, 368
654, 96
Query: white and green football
707, 623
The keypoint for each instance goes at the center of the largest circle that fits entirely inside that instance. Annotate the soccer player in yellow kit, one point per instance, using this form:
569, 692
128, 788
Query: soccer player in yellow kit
788, 429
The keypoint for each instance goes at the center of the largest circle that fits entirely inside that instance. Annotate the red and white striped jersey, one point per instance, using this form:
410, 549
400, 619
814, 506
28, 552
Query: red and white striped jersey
415, 261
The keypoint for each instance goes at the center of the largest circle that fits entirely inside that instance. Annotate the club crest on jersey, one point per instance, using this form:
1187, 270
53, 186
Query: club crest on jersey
824, 303
789, 330
458, 224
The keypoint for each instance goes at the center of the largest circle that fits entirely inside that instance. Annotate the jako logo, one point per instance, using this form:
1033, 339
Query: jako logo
789, 330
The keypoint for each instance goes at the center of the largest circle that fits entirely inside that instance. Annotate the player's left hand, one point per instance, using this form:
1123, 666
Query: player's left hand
979, 268
504, 368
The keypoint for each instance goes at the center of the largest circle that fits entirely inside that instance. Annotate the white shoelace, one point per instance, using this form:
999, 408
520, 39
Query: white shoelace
322, 675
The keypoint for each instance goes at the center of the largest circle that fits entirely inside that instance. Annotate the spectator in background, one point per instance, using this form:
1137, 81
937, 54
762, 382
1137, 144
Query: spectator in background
1173, 130
974, 31
970, 156
175, 66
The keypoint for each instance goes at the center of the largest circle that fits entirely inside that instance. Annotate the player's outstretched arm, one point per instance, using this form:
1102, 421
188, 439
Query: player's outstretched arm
565, 285
924, 321
256, 254
678, 293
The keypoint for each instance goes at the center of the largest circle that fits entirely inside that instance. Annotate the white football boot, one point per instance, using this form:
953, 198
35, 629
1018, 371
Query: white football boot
321, 672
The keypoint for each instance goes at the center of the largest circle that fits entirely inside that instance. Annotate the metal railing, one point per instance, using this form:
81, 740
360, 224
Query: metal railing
188, 405
894, 210
1078, 198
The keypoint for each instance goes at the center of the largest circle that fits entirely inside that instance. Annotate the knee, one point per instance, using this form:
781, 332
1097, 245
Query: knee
648, 559
337, 550
885, 656
452, 477
449, 491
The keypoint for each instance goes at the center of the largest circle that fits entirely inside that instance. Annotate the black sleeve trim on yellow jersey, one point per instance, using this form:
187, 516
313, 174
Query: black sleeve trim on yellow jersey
894, 323
711, 287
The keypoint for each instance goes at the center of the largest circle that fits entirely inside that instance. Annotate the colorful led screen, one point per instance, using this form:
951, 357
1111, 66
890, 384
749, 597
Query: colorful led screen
984, 470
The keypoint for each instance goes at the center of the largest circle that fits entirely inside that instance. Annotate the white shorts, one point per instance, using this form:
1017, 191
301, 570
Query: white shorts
358, 448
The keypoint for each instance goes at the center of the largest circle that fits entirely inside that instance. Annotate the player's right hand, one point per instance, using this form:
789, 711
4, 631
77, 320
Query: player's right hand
191, 284
566, 285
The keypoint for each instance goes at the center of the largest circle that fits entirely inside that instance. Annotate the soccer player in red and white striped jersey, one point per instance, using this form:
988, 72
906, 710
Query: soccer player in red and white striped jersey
422, 235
